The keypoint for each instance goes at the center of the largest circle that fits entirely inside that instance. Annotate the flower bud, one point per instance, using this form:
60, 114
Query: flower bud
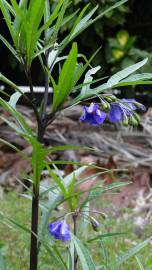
110, 98
137, 117
95, 224
105, 105
125, 121
139, 105
133, 121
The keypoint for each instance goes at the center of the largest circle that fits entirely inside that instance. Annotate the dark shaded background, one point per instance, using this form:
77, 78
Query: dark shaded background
136, 20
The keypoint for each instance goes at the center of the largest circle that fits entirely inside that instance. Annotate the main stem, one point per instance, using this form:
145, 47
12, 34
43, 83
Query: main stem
46, 93
75, 233
35, 197
35, 194
35, 216
34, 231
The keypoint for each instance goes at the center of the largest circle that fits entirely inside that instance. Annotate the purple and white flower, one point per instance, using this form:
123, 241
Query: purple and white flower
118, 112
60, 230
92, 115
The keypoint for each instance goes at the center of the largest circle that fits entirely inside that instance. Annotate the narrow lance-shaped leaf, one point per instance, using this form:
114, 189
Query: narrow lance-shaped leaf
19, 118
116, 78
81, 23
89, 78
59, 21
57, 180
141, 267
65, 83
51, 19
135, 79
7, 18
132, 252
19, 18
9, 46
56, 198
87, 21
34, 17
2, 261
117, 81
83, 254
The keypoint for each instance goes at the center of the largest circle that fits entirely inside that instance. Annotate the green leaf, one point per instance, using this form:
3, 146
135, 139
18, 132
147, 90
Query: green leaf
19, 118
84, 222
71, 256
7, 17
14, 148
132, 252
62, 148
87, 21
19, 18
81, 24
149, 263
141, 267
9, 46
34, 17
119, 3
89, 78
116, 78
97, 191
57, 180
53, 251
83, 69
119, 79
2, 261
55, 255
50, 20
136, 79
55, 198
65, 83
38, 160
11, 84
14, 99
13, 222
105, 235
59, 21
83, 254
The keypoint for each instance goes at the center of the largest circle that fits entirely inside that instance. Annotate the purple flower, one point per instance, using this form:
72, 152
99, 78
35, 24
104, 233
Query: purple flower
116, 113
92, 115
133, 104
129, 103
60, 230
119, 110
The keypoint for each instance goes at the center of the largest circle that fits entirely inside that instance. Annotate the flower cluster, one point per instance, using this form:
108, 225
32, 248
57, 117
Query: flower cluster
60, 230
121, 111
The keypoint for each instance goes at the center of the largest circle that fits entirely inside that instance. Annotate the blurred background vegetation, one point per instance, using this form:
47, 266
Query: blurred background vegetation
124, 36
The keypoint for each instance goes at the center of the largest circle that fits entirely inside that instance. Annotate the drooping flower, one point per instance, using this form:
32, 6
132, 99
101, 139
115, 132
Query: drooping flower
133, 104
116, 113
120, 110
60, 230
92, 115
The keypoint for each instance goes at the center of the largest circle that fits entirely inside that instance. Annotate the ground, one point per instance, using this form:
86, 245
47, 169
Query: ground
15, 242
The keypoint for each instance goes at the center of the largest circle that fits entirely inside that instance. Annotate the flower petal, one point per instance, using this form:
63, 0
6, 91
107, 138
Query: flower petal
115, 113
